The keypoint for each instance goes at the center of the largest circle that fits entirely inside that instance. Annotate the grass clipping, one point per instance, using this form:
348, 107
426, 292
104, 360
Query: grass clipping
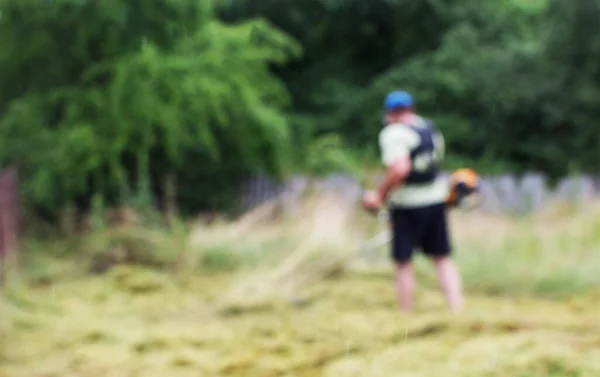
326, 236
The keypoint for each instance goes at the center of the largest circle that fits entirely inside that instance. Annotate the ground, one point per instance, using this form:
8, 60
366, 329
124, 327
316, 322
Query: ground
531, 308
349, 326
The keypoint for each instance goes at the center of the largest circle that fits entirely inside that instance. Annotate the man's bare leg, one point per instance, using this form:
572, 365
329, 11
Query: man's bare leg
450, 282
405, 285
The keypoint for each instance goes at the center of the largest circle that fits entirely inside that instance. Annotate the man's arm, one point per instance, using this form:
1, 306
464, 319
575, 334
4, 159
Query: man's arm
395, 175
395, 149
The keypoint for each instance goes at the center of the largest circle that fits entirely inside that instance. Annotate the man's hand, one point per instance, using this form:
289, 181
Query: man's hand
372, 201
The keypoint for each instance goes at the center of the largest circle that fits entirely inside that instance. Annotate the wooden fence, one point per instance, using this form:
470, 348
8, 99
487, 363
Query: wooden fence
9, 214
501, 194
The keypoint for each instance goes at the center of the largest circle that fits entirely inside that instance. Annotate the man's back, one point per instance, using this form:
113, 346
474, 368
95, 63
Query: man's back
425, 147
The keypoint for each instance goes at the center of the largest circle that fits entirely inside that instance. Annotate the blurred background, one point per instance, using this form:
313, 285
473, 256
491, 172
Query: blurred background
180, 179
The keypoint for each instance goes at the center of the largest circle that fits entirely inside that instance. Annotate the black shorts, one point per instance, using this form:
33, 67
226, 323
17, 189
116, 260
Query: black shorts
425, 228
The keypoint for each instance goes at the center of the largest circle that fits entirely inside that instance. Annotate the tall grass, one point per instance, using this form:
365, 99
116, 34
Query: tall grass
555, 253
274, 253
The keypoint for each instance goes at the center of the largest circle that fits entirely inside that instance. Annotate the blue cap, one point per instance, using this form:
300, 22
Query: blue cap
398, 99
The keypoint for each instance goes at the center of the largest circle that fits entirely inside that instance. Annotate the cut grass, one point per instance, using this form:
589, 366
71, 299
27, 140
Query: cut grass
350, 326
532, 283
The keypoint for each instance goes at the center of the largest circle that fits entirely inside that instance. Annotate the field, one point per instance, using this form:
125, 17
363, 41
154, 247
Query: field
290, 297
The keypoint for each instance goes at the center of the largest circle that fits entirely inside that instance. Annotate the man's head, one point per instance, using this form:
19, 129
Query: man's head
398, 104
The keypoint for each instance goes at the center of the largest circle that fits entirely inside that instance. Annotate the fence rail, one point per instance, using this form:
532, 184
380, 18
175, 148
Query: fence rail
500, 194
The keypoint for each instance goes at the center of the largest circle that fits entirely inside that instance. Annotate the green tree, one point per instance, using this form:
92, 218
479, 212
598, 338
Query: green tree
98, 96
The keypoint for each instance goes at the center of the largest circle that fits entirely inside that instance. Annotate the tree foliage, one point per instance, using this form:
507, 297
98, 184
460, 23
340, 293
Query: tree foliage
110, 97
511, 83
103, 95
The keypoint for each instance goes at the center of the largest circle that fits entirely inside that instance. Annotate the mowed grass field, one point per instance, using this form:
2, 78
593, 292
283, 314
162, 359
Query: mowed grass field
290, 297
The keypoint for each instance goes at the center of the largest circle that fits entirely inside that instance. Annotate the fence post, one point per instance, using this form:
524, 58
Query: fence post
9, 208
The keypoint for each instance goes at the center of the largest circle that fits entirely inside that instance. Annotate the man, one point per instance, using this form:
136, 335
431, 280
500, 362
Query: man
415, 193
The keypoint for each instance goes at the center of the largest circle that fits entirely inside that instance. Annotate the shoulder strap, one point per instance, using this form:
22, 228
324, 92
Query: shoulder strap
427, 123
